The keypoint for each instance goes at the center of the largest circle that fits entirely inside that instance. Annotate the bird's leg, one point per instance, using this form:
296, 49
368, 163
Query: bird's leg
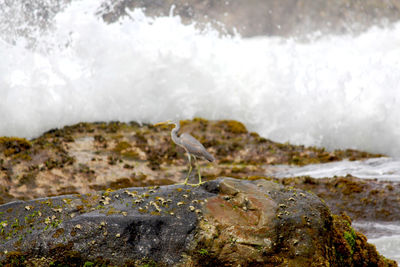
190, 169
198, 170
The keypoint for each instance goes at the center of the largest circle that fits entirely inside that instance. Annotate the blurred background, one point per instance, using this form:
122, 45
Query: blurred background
272, 17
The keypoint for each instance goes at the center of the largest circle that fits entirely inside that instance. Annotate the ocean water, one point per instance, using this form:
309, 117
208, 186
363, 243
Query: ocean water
386, 169
388, 246
67, 66
385, 237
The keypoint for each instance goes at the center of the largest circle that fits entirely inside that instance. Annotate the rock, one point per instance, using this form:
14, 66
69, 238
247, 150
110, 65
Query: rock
88, 157
361, 199
226, 222
131, 224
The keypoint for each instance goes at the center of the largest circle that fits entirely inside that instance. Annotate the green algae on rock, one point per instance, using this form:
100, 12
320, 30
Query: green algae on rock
225, 222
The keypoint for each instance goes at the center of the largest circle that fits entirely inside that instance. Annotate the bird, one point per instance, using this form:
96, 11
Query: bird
191, 145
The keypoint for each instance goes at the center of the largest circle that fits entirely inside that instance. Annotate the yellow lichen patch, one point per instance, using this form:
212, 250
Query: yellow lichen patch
121, 146
232, 126
200, 120
130, 154
16, 141
58, 233
13, 145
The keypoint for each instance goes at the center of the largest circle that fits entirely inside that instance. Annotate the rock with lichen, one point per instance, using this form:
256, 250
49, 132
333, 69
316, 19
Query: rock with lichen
88, 157
361, 199
225, 222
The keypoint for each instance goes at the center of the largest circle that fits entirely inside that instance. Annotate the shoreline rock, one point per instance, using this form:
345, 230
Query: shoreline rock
361, 199
88, 157
225, 222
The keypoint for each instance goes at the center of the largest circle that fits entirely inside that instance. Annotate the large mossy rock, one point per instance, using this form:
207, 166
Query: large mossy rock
226, 222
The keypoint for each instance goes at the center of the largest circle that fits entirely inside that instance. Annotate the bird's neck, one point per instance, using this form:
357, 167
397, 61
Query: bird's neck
174, 133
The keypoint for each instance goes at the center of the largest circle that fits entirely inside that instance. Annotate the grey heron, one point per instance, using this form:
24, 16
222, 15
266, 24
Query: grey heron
191, 145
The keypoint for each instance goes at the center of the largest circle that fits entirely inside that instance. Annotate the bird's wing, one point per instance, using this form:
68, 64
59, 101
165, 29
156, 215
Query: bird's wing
194, 147
188, 140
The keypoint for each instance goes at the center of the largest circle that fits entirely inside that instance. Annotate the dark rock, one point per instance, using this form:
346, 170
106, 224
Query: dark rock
226, 222
117, 226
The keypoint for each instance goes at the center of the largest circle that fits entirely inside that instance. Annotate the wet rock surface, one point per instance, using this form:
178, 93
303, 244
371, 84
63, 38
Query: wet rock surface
225, 222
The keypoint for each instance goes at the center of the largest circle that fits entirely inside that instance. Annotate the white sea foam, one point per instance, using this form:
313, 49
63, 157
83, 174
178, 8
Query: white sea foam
384, 235
388, 246
374, 230
387, 169
335, 91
